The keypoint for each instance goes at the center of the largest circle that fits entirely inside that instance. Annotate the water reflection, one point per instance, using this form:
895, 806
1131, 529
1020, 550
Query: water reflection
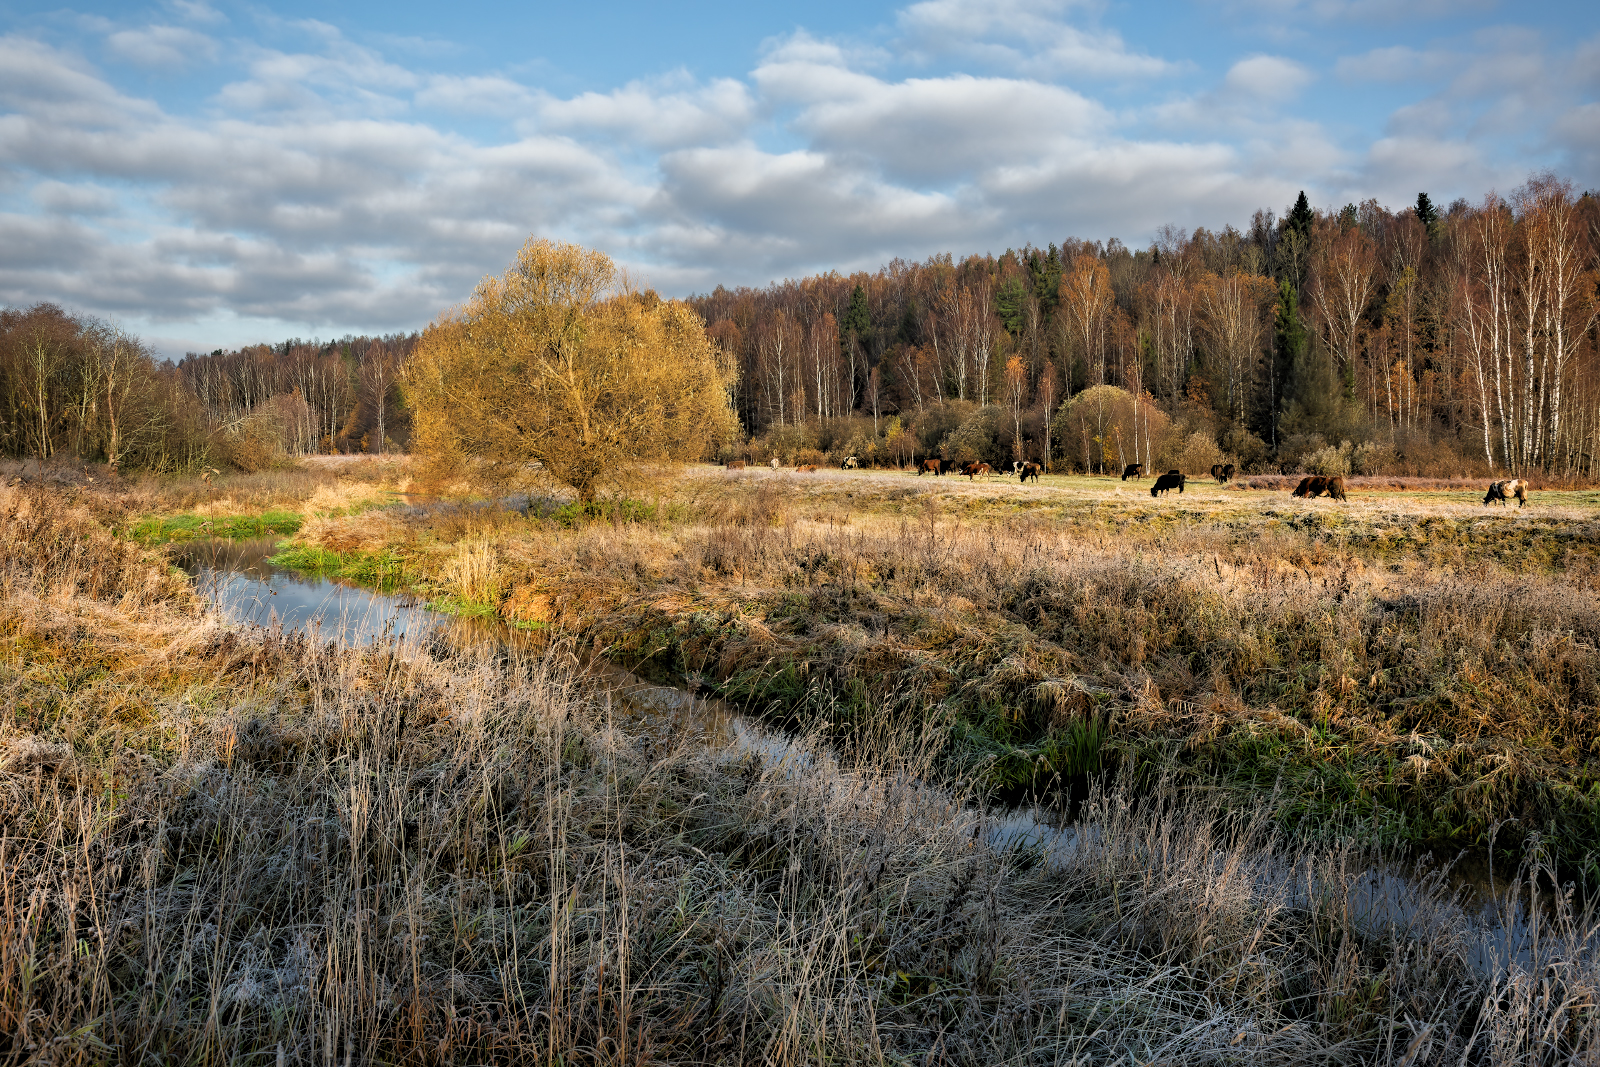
244, 587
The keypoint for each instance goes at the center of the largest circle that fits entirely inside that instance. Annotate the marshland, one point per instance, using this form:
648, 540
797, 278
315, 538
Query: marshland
1250, 735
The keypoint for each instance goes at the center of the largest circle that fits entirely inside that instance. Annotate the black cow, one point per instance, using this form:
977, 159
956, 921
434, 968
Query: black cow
1170, 480
1222, 472
1132, 470
1031, 470
949, 466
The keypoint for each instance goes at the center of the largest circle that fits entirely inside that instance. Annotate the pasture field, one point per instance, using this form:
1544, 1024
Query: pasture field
226, 845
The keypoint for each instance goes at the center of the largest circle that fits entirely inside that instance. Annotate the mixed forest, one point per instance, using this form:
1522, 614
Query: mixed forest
1421, 339
1424, 340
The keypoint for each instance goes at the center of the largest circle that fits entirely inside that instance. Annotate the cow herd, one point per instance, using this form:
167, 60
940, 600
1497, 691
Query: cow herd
1310, 487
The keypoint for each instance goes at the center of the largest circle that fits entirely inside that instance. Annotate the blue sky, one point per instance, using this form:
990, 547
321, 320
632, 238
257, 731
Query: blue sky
213, 173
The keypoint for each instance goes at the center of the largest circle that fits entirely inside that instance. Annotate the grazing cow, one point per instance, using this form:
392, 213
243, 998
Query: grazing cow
949, 466
1317, 485
1031, 470
972, 469
774, 462
736, 464
851, 463
929, 466
1222, 472
806, 468
1312, 485
1170, 480
1133, 470
1516, 487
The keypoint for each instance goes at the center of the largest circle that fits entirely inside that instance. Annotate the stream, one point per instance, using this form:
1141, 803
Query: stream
244, 587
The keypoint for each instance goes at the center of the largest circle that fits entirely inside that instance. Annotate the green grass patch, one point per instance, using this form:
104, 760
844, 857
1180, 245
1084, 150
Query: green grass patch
383, 571
463, 608
165, 529
627, 509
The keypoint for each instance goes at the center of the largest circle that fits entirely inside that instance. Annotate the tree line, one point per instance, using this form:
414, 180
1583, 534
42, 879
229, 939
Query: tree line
1462, 337
1358, 339
79, 387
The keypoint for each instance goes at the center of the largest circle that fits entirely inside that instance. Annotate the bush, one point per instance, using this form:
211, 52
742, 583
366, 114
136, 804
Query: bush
974, 439
1329, 460
1193, 454
1249, 452
1372, 457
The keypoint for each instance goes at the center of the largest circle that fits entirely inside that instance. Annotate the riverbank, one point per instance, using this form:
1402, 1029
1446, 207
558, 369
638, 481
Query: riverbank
240, 844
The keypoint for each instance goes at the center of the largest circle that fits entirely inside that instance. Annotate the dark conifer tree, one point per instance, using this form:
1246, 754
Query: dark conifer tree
1427, 214
1300, 217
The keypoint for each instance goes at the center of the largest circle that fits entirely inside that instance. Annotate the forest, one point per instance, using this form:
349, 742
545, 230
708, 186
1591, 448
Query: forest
1434, 341
1420, 340
73, 387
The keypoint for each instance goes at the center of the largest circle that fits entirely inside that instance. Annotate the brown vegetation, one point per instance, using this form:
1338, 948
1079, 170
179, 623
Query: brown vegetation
225, 845
551, 364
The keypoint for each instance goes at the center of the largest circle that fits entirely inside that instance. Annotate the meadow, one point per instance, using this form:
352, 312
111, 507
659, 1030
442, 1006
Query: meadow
228, 845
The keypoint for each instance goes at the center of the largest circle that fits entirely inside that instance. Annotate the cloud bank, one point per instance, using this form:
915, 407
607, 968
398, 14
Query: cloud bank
329, 187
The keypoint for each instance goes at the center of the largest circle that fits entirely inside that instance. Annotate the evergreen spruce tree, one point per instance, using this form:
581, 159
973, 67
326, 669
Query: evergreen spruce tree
1301, 217
1310, 389
856, 320
1427, 214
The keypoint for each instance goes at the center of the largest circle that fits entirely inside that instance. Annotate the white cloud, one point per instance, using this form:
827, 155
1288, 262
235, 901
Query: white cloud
74, 198
328, 187
1393, 64
163, 47
1269, 79
668, 115
1032, 37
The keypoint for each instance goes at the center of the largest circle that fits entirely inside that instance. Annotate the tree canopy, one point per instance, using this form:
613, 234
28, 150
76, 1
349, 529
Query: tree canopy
554, 361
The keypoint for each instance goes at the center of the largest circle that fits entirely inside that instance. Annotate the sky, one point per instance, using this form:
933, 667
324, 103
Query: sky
210, 174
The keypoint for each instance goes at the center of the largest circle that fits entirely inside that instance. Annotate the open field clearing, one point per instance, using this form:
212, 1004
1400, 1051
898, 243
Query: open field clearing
227, 845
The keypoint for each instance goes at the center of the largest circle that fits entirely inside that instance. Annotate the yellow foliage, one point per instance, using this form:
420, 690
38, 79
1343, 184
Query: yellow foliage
554, 362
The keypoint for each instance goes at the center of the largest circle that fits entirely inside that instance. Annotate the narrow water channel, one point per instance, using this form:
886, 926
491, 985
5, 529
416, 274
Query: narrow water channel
245, 587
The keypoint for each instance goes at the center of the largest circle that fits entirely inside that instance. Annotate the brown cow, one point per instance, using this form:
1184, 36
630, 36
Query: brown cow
1132, 470
1170, 480
1031, 470
1222, 472
1516, 487
736, 464
806, 468
1312, 485
972, 469
929, 466
1317, 485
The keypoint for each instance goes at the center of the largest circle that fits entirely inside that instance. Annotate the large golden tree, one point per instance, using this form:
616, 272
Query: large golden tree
556, 361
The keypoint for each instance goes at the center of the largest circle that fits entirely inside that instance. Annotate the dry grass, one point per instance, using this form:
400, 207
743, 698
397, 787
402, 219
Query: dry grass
222, 846
1411, 666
